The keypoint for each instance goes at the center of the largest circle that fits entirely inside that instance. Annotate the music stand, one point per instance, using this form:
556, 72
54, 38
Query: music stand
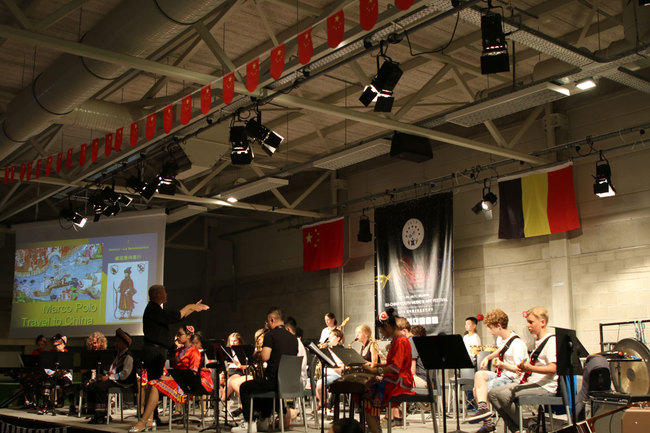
325, 361
30, 361
569, 350
215, 351
56, 360
442, 352
95, 359
349, 357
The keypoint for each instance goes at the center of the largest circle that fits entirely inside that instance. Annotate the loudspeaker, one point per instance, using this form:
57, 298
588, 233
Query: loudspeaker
410, 147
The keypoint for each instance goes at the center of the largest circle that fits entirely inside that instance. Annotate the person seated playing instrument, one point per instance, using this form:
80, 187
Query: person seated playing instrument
120, 374
186, 365
249, 372
369, 348
206, 373
471, 338
96, 341
335, 339
539, 371
277, 342
330, 325
61, 378
41, 343
511, 351
397, 377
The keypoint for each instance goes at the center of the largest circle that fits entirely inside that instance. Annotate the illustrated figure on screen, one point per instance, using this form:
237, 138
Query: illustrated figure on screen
126, 290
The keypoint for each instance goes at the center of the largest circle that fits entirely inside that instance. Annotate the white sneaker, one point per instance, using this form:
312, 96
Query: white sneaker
243, 428
264, 424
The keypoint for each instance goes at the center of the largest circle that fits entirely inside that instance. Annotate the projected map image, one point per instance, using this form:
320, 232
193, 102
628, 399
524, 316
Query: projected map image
59, 273
128, 284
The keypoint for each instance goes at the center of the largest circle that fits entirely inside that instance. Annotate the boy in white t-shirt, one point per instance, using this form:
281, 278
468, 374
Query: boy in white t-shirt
539, 371
471, 338
512, 350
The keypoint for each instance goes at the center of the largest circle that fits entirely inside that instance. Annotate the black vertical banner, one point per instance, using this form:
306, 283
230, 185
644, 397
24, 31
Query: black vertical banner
414, 261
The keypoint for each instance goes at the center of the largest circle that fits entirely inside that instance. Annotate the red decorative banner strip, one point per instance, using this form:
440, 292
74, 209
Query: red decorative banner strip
368, 13
29, 170
59, 162
305, 47
186, 110
206, 99
22, 172
82, 155
135, 133
335, 29
253, 74
48, 165
119, 134
403, 4
228, 89
68, 159
150, 129
277, 62
38, 169
168, 118
94, 150
108, 144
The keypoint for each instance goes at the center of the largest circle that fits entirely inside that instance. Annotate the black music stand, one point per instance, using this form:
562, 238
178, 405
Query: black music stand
244, 353
442, 352
56, 360
325, 361
215, 351
30, 361
100, 360
349, 357
569, 350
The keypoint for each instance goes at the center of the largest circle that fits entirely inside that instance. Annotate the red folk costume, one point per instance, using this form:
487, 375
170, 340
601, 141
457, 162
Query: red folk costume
186, 358
399, 358
126, 290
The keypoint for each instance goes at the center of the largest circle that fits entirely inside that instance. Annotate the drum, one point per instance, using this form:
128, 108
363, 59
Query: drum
631, 376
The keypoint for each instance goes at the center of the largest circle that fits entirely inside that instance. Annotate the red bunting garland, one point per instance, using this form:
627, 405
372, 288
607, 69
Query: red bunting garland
37, 174
29, 170
168, 118
368, 13
82, 155
206, 99
228, 88
108, 144
335, 29
305, 47
277, 61
252, 75
135, 133
186, 110
13, 173
403, 4
22, 172
48, 166
7, 170
150, 128
94, 149
59, 162
118, 139
68, 159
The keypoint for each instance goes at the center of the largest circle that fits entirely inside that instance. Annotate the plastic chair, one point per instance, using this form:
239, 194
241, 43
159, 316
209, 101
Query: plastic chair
313, 362
289, 386
421, 396
562, 399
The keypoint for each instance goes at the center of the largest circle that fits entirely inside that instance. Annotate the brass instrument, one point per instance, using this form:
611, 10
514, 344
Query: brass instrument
257, 365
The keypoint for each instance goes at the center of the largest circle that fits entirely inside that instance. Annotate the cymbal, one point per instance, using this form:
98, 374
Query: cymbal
632, 377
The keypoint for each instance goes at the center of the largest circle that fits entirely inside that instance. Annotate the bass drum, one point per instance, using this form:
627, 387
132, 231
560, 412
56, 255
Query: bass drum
631, 377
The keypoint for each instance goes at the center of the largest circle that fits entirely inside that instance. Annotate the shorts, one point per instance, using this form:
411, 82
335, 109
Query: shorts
494, 380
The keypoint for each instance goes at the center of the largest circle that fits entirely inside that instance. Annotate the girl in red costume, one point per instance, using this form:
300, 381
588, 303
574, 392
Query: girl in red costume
397, 377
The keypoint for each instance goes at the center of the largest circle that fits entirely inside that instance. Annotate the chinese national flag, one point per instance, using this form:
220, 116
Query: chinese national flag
48, 165
186, 110
37, 173
277, 62
322, 245
59, 161
94, 149
7, 171
135, 133
228, 88
252, 75
206, 98
335, 28
29, 170
82, 155
305, 47
22, 172
368, 13
150, 128
403, 4
108, 144
68, 159
13, 173
168, 118
118, 139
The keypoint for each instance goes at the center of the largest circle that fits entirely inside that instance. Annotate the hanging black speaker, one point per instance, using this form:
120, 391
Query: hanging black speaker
364, 234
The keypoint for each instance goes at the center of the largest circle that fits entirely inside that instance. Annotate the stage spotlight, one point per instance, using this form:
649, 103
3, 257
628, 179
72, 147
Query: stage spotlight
269, 140
380, 90
364, 234
125, 200
603, 186
109, 195
135, 184
478, 208
111, 210
74, 217
495, 48
241, 152
488, 200
151, 187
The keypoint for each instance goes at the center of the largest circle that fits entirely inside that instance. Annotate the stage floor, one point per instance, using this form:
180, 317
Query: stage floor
74, 424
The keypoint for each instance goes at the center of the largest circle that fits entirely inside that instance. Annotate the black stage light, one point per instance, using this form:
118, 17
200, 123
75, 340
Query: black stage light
368, 95
380, 90
111, 210
151, 187
603, 186
364, 234
135, 184
167, 187
109, 195
489, 200
74, 217
384, 104
241, 152
269, 140
495, 48
125, 200
478, 208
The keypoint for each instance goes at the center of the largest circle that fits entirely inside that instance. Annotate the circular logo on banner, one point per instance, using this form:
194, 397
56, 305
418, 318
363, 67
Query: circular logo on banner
412, 233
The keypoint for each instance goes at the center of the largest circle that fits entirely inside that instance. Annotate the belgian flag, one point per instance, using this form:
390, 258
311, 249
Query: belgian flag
538, 203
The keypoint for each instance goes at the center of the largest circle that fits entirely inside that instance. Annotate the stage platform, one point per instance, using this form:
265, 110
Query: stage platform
28, 421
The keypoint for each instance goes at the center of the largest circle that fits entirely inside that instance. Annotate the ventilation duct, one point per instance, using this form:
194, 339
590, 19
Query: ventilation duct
134, 28
101, 115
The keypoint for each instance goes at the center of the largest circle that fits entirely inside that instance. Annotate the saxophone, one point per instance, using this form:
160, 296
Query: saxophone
257, 365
